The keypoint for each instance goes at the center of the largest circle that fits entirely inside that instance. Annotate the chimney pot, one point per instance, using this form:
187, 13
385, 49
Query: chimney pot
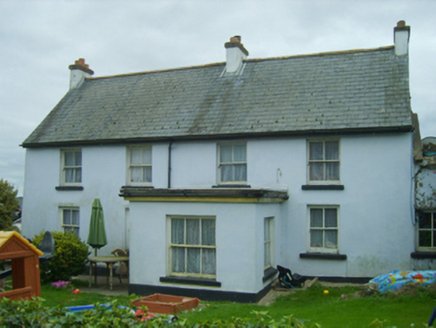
401, 38
79, 72
235, 54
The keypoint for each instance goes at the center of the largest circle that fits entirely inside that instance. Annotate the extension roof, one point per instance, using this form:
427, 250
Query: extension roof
338, 92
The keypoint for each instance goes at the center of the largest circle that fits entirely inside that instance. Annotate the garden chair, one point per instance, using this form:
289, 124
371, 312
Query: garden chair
123, 267
289, 280
47, 247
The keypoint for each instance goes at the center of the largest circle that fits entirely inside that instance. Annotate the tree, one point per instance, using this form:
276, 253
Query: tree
9, 205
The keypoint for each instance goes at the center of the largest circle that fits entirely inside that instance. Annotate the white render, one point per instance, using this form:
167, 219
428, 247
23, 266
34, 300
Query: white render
375, 208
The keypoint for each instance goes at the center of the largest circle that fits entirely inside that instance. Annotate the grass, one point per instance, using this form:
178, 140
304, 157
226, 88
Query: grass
65, 297
310, 305
329, 311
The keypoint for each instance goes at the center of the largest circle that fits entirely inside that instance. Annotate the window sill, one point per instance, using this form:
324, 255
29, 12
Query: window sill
423, 255
323, 256
69, 188
231, 186
269, 273
322, 187
190, 281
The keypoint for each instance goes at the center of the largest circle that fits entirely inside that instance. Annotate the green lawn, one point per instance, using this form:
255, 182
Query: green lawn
310, 306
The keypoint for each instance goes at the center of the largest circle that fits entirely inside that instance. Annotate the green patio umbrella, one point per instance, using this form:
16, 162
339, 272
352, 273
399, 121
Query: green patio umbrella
97, 233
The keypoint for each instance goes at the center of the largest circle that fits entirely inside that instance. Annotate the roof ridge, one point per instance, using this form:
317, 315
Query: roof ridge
246, 60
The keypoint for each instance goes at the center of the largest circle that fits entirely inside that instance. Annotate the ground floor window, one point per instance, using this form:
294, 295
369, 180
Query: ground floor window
70, 219
426, 230
268, 243
192, 249
323, 228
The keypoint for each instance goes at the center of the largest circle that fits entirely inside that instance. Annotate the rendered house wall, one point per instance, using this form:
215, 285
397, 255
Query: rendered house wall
375, 230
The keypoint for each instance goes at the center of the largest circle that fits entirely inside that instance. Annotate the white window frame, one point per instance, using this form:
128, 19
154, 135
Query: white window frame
68, 227
268, 242
322, 249
189, 246
75, 168
142, 165
324, 161
232, 163
431, 229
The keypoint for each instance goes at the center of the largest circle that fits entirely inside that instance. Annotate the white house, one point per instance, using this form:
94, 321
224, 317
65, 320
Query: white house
213, 175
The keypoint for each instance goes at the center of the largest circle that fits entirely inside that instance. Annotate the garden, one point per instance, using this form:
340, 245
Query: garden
318, 306
66, 302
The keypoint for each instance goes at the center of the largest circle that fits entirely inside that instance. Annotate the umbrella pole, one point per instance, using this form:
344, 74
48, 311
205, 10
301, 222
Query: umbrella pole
95, 271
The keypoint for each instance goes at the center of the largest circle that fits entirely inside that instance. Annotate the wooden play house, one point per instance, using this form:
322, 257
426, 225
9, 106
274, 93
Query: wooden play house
24, 261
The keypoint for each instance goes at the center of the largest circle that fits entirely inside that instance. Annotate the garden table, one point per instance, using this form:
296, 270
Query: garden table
109, 261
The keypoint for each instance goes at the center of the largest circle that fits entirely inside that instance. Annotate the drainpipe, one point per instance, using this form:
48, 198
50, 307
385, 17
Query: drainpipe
169, 164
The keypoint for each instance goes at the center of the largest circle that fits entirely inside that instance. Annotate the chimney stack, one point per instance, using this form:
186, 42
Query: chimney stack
401, 38
79, 72
235, 54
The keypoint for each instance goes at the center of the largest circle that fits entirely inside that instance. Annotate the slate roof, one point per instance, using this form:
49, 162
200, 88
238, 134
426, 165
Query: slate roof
339, 92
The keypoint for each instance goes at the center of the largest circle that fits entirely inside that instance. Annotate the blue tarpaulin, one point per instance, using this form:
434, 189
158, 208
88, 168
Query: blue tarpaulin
397, 279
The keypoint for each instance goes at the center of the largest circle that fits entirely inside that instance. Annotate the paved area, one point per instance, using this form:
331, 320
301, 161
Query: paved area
102, 286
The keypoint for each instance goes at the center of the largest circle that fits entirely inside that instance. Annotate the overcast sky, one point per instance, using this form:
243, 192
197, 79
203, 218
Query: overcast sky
40, 39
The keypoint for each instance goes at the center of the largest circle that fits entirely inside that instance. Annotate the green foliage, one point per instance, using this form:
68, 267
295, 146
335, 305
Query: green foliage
9, 205
34, 314
70, 257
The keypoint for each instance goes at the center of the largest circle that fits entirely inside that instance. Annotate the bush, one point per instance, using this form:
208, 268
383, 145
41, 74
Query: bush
70, 257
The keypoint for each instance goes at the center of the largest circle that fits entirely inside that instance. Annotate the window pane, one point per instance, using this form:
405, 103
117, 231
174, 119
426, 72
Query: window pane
147, 174
315, 151
425, 238
77, 158
78, 175
69, 175
208, 232
226, 173
316, 218
208, 261
225, 154
135, 156
331, 220
178, 231
332, 171
136, 173
76, 219
69, 158
67, 217
316, 238
178, 259
241, 172
240, 153
425, 221
146, 156
193, 260
193, 232
331, 239
331, 150
316, 171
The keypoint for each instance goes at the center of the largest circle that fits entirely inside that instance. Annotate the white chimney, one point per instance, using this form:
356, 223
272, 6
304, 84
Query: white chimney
235, 54
401, 38
79, 72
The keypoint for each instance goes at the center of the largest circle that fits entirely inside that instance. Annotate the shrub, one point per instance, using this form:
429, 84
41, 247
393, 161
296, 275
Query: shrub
70, 257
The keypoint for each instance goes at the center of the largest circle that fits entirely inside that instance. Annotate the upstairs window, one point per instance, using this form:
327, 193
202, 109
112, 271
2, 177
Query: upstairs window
323, 161
232, 164
140, 167
323, 228
71, 166
427, 231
